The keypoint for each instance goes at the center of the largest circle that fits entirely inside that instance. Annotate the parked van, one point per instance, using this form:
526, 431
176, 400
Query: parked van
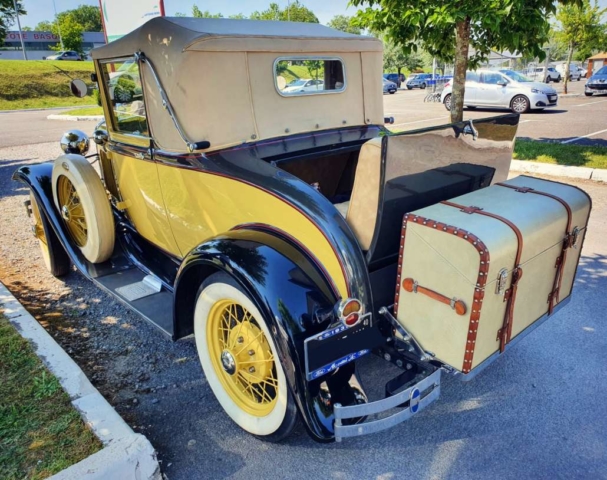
575, 72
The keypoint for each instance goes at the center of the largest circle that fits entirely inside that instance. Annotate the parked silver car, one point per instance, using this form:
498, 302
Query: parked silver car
505, 89
389, 87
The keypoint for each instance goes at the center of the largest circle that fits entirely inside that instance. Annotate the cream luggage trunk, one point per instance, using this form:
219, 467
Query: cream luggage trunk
457, 291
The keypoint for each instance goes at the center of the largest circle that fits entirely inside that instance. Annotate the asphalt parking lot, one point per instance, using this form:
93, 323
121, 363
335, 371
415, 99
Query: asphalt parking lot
577, 119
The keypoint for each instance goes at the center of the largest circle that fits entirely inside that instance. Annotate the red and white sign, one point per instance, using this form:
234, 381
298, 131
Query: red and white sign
31, 37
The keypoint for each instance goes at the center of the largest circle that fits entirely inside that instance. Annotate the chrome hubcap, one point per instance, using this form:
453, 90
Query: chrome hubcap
227, 362
65, 212
520, 105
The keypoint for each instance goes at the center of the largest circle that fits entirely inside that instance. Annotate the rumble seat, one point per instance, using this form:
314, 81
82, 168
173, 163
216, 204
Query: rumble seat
361, 211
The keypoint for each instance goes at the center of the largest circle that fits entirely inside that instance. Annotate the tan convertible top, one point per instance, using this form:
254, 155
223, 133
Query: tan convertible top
180, 34
219, 77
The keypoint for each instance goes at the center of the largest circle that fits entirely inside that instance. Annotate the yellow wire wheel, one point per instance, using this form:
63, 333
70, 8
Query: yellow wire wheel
239, 359
83, 204
71, 210
39, 232
242, 357
55, 258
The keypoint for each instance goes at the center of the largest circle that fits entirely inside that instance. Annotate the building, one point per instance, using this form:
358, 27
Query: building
596, 62
38, 45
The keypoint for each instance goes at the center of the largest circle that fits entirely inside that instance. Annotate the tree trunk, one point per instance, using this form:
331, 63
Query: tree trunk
567, 67
462, 44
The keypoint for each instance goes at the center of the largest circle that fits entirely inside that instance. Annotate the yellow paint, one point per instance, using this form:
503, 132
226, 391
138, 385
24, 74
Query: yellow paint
201, 206
249, 375
140, 190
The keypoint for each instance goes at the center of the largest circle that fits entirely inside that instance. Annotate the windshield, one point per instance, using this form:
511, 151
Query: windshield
602, 71
517, 77
297, 83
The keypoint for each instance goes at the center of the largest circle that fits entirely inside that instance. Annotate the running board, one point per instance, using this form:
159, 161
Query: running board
155, 306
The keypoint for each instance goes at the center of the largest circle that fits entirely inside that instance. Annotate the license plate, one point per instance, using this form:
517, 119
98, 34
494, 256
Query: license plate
329, 350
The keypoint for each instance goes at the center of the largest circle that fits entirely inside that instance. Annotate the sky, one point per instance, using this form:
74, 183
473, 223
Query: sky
39, 10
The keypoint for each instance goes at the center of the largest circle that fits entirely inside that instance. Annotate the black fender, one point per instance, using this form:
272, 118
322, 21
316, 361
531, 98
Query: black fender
288, 288
39, 179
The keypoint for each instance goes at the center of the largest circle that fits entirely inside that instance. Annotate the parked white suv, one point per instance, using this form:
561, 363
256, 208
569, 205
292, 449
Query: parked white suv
575, 72
504, 89
540, 74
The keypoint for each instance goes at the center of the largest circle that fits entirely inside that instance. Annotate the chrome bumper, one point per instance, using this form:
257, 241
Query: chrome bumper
414, 396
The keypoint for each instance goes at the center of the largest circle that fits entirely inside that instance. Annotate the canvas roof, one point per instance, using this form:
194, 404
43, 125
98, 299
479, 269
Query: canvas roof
179, 34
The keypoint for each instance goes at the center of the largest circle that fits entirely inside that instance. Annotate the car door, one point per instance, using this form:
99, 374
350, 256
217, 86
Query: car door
472, 80
491, 90
131, 156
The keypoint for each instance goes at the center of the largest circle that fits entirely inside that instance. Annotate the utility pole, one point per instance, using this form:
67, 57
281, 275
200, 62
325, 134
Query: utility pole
58, 26
20, 34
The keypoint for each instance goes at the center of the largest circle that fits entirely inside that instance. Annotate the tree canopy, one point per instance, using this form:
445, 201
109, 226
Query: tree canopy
345, 24
71, 33
296, 12
8, 17
44, 26
87, 16
395, 58
462, 30
581, 26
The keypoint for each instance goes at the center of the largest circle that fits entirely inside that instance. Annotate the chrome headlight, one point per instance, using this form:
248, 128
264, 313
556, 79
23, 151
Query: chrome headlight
75, 141
535, 90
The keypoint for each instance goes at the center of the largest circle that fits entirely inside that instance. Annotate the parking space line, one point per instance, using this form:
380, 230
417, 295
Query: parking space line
419, 121
585, 136
590, 103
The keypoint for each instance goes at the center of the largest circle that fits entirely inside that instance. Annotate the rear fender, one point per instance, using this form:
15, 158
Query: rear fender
288, 288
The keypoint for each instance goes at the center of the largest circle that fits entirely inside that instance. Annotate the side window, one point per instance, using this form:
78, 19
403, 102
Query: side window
309, 76
472, 77
492, 78
125, 94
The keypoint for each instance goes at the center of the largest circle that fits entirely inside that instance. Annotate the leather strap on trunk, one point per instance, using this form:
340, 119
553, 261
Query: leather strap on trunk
505, 332
568, 242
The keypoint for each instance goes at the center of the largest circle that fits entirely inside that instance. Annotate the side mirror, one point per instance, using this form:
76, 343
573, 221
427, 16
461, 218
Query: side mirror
100, 137
79, 88
502, 83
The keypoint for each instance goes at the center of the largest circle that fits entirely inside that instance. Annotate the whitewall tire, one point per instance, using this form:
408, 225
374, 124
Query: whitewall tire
82, 201
223, 363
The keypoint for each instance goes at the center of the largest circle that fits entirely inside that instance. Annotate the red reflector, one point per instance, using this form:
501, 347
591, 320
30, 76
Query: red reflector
352, 319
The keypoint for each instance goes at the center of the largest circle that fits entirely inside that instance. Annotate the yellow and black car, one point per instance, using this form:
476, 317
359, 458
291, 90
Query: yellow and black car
266, 220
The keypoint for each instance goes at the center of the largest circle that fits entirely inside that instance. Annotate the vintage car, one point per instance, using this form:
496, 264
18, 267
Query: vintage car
272, 225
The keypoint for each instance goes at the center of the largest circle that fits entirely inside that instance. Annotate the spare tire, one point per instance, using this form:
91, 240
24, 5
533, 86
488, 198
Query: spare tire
81, 200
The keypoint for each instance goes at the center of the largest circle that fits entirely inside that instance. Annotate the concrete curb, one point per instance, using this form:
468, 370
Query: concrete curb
585, 173
126, 454
25, 110
75, 118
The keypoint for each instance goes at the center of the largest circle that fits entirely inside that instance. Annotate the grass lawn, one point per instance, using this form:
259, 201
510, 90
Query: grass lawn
40, 431
557, 153
41, 83
84, 111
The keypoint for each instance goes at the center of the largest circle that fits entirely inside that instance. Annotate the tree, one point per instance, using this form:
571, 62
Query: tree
344, 24
87, 16
296, 12
197, 13
581, 26
395, 58
8, 17
71, 33
44, 26
449, 28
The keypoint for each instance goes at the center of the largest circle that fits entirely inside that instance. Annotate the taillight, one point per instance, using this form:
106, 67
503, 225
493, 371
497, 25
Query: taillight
350, 312
448, 84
